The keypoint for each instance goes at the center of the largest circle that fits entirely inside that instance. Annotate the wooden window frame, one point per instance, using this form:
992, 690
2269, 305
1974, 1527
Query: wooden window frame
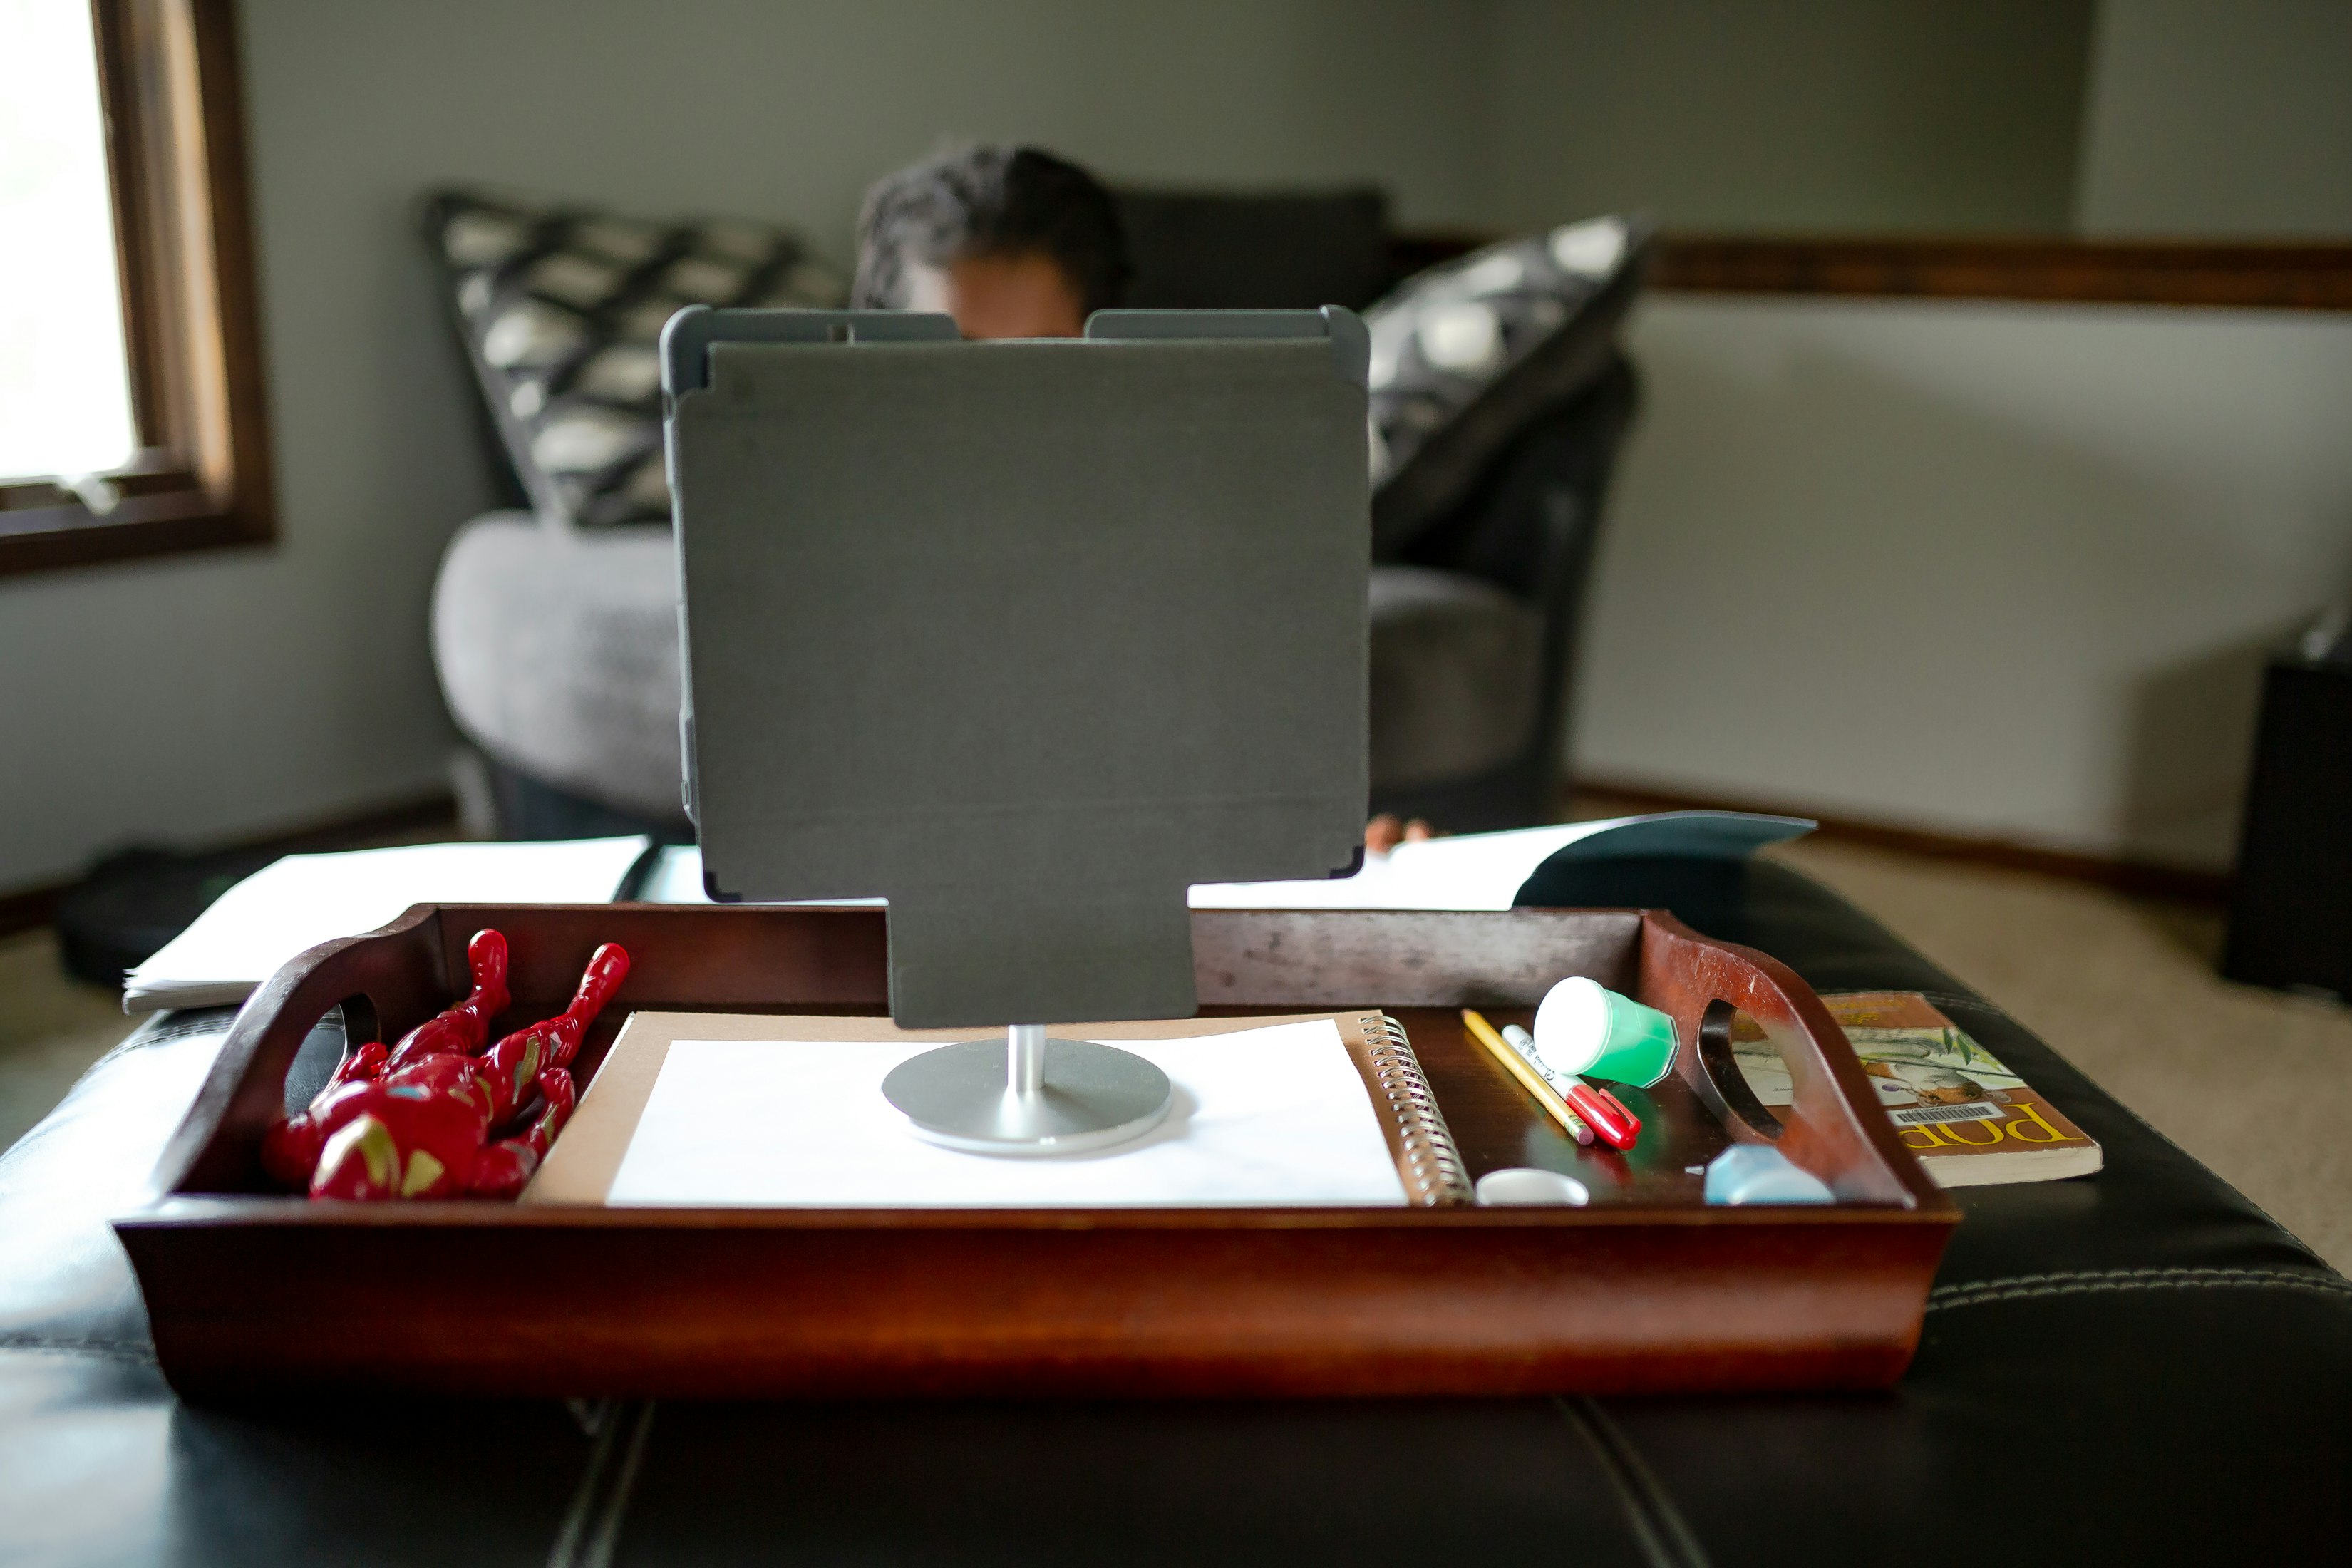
169, 86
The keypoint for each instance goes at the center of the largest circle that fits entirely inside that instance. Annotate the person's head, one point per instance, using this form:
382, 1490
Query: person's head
1012, 242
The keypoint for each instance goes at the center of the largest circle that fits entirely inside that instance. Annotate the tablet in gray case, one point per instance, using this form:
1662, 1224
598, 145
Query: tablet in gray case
1025, 636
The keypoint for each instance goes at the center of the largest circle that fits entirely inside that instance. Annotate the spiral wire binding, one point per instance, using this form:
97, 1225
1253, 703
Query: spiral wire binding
1428, 1143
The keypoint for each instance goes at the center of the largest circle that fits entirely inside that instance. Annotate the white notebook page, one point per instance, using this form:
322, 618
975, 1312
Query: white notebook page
1267, 1116
1471, 872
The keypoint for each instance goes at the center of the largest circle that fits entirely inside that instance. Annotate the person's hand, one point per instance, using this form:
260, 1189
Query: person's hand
1386, 831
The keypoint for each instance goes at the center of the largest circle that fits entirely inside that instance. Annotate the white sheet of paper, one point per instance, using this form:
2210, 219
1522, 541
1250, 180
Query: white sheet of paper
1486, 871
676, 878
304, 899
1473, 871
1268, 1116
1468, 871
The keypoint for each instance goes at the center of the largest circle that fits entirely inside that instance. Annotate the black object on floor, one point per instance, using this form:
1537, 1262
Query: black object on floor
2291, 915
135, 901
130, 902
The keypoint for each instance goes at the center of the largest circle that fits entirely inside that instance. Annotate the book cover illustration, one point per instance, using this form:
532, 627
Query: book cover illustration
1970, 1120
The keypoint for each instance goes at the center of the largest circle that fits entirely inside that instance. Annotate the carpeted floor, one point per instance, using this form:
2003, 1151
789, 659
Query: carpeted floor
2256, 1084
50, 1029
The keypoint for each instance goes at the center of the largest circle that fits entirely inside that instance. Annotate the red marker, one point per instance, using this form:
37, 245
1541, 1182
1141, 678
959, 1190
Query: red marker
1603, 1112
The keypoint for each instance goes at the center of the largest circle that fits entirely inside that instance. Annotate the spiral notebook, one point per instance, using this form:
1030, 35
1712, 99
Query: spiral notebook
708, 1110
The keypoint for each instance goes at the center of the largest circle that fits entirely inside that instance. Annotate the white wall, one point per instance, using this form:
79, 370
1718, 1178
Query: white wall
1997, 569
1826, 115
1987, 569
211, 696
2219, 120
790, 109
1979, 552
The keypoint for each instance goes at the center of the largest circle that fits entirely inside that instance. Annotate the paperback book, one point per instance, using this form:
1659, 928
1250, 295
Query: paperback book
1970, 1120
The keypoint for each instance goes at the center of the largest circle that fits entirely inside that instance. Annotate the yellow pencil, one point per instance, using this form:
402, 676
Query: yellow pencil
1516, 1066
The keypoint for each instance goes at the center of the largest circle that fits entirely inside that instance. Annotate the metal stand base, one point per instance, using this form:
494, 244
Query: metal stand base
1028, 1095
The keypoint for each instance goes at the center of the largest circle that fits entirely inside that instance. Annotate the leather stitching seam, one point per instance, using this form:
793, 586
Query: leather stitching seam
1664, 1538
590, 1530
112, 1350
2027, 1286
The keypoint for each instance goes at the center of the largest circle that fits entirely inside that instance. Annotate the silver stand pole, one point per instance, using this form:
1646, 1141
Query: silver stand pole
1025, 1058
1028, 1094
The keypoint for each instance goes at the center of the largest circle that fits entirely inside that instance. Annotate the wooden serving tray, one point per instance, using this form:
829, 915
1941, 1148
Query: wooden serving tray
1648, 1288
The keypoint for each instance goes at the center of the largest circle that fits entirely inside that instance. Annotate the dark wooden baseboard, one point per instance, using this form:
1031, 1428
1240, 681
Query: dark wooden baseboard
26, 909
2286, 276
1603, 797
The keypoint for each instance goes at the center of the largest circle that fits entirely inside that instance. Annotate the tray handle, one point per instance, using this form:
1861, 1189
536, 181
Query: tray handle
396, 972
1834, 1128
1721, 1085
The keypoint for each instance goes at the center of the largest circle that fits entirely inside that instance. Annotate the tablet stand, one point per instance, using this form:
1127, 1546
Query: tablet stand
1025, 638
1029, 1094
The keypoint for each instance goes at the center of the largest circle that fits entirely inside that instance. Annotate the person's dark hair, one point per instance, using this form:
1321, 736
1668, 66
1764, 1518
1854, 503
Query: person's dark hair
989, 201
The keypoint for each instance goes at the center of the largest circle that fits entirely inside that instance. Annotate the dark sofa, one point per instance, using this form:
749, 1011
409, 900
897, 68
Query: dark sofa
2135, 1367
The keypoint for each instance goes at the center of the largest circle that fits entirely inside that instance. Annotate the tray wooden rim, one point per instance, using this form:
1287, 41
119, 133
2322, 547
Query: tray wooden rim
291, 1210
248, 1290
271, 1015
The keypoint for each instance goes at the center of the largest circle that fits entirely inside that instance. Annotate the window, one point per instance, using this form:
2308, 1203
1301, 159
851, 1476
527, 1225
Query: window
131, 403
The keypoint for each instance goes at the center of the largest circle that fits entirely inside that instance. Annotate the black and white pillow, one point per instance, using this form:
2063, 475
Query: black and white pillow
562, 309
1464, 355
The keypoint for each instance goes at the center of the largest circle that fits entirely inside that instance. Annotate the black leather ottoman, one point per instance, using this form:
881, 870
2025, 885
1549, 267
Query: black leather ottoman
2140, 1366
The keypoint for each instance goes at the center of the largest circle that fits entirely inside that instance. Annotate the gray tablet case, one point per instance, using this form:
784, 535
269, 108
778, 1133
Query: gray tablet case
1025, 636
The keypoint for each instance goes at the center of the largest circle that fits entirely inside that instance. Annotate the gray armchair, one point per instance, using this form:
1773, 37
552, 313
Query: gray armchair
557, 646
1476, 623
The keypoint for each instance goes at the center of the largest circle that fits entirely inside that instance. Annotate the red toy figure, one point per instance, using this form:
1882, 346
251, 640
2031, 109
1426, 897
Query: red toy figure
290, 1151
463, 1027
421, 1121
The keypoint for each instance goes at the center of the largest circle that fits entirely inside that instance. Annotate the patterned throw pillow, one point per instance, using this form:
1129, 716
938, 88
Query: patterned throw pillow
1466, 353
562, 309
